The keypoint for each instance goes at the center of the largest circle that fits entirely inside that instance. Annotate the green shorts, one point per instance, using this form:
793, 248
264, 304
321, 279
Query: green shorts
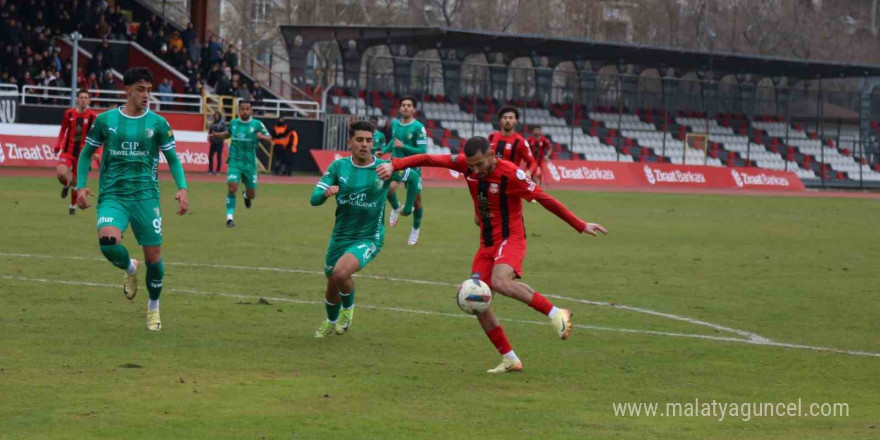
144, 215
235, 172
364, 250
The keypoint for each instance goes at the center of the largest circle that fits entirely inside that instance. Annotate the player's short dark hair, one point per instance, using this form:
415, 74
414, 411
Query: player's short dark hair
136, 75
83, 91
359, 126
536, 127
476, 144
374, 118
508, 109
245, 101
409, 98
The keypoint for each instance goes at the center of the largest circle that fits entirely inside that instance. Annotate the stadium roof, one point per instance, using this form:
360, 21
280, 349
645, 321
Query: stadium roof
578, 49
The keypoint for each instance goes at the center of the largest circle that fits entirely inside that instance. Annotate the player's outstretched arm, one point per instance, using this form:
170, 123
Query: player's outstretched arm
452, 162
179, 178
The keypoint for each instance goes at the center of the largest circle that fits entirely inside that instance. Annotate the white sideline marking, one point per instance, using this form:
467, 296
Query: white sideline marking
753, 338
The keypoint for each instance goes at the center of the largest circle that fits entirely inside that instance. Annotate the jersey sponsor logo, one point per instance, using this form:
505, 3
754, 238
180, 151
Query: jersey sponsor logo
105, 220
343, 179
127, 145
531, 186
357, 199
112, 129
493, 188
508, 146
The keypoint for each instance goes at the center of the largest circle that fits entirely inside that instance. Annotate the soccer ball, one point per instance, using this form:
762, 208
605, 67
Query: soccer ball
474, 297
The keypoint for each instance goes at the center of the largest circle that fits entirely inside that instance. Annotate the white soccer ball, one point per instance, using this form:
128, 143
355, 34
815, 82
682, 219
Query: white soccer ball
474, 297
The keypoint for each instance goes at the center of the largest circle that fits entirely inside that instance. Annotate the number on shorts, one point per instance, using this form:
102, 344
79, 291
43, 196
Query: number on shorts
157, 225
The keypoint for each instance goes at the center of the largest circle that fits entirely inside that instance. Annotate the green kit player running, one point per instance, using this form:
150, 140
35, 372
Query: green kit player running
359, 230
132, 137
378, 138
245, 132
408, 137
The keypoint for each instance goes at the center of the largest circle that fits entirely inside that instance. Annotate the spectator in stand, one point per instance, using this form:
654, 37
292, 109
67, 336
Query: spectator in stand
213, 51
93, 82
189, 38
104, 49
118, 24
188, 70
224, 87
103, 28
81, 79
65, 22
14, 34
231, 58
227, 71
107, 82
214, 75
258, 94
177, 58
243, 93
97, 66
160, 41
56, 59
166, 87
174, 41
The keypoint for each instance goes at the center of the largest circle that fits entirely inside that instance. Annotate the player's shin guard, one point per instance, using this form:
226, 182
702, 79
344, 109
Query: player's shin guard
73, 197
332, 311
347, 299
499, 340
115, 253
230, 204
541, 304
417, 217
392, 198
155, 277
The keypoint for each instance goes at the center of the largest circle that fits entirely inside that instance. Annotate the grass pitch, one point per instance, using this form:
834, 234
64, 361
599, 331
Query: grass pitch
76, 361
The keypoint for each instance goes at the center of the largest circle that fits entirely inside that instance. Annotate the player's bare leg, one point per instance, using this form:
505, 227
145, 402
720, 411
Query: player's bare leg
110, 240
345, 268
249, 195
64, 178
155, 279
232, 188
504, 282
509, 361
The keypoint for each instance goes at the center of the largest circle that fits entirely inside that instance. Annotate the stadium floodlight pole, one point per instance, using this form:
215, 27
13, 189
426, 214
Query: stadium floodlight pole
75, 36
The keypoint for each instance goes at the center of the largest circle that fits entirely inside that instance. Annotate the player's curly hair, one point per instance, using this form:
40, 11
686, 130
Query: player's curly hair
508, 109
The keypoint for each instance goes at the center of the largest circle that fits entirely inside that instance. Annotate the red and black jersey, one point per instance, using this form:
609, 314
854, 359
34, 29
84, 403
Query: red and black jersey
74, 129
497, 197
540, 148
513, 148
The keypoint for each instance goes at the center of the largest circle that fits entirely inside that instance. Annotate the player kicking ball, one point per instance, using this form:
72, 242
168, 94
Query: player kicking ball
128, 192
359, 231
498, 187
246, 132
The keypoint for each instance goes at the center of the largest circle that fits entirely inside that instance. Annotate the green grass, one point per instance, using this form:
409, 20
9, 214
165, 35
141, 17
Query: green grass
793, 270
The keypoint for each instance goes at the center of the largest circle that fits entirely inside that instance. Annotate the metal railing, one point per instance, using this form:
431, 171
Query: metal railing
169, 11
280, 108
60, 97
8, 89
264, 74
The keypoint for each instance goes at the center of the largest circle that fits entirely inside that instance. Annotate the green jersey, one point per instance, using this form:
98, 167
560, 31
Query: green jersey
413, 136
243, 148
378, 143
360, 202
130, 161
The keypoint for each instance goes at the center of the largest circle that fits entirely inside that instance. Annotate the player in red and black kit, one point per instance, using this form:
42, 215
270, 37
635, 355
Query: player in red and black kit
74, 129
541, 148
509, 145
497, 187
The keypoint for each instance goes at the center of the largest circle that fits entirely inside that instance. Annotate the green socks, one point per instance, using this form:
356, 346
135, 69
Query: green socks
155, 276
347, 299
417, 218
116, 254
332, 311
392, 197
230, 204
